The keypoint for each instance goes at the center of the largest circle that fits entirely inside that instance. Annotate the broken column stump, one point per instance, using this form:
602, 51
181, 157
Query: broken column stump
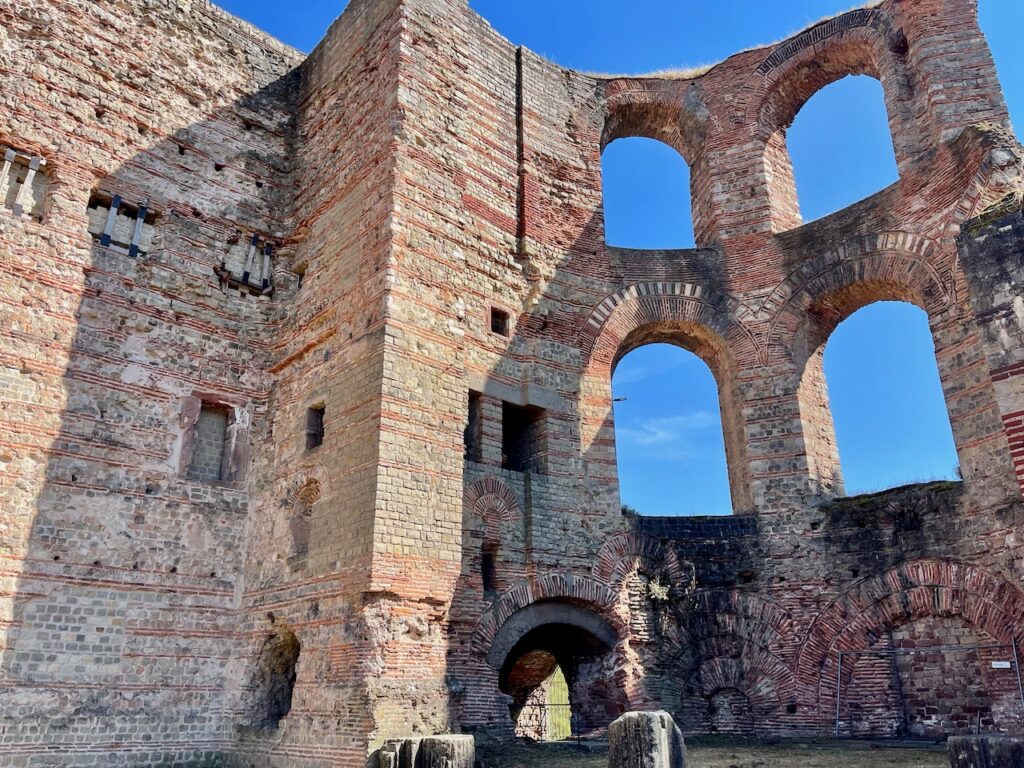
431, 752
986, 751
446, 752
645, 740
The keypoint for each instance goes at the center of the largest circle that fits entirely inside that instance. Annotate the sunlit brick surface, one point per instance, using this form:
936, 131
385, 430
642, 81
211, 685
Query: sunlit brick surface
420, 172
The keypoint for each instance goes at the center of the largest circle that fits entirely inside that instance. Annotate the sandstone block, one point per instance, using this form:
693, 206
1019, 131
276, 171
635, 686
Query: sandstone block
646, 740
986, 752
432, 752
446, 752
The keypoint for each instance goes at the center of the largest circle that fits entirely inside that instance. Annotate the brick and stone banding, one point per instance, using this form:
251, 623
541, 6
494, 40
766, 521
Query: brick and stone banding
415, 173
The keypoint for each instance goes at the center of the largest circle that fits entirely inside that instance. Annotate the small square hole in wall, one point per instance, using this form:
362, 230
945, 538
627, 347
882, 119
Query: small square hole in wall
315, 426
499, 321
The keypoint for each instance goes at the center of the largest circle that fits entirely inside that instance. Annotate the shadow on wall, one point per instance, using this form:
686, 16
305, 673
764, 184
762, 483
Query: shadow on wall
758, 313
149, 333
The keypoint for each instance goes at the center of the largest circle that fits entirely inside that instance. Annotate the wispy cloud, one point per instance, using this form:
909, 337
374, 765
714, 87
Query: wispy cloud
670, 435
634, 373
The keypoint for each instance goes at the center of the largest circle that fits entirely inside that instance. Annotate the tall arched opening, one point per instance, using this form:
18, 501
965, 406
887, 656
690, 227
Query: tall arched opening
669, 437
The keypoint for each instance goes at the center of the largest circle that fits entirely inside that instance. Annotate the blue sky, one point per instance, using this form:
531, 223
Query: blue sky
891, 421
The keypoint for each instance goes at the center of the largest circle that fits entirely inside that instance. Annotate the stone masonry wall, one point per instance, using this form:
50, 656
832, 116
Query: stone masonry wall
118, 625
407, 222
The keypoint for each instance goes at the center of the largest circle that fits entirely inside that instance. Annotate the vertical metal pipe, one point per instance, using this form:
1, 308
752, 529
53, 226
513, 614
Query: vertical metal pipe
1016, 666
140, 220
250, 259
268, 251
839, 687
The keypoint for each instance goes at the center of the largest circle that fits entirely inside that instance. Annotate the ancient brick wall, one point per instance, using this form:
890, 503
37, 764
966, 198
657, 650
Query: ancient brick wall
118, 628
326, 269
734, 625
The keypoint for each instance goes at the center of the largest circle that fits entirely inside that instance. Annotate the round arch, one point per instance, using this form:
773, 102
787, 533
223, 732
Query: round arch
665, 110
686, 315
577, 624
911, 591
555, 645
861, 42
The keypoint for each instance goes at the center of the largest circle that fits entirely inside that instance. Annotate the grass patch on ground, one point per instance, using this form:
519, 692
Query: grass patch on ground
720, 752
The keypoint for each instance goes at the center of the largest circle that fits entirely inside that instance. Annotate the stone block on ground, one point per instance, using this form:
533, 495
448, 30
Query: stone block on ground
986, 751
646, 740
431, 752
446, 752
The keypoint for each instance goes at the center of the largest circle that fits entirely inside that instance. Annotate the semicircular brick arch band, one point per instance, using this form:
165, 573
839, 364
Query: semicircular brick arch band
862, 40
863, 17
581, 590
626, 552
911, 591
660, 301
759, 675
310, 483
494, 503
718, 613
899, 259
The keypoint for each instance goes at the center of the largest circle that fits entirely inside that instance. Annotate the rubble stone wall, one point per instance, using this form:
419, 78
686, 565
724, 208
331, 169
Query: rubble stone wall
402, 234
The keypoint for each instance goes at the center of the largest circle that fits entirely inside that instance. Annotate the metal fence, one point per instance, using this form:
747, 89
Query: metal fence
554, 722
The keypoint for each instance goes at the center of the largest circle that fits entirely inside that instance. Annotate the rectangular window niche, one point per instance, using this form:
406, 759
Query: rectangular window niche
214, 442
524, 438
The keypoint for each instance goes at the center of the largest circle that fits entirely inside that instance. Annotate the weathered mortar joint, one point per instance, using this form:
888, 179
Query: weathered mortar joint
436, 195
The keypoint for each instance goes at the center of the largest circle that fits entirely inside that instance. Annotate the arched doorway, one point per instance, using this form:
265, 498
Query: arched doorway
553, 660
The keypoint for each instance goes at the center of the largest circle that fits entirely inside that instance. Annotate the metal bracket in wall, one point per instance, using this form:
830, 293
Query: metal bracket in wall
34, 165
108, 229
140, 219
268, 252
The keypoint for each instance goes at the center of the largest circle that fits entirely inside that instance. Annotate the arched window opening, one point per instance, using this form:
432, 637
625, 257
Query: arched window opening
891, 423
840, 146
669, 438
274, 679
646, 187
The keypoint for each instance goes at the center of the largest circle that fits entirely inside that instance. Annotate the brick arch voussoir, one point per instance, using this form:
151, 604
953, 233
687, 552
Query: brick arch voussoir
626, 552
907, 593
901, 261
649, 303
759, 675
572, 588
310, 483
494, 504
858, 42
727, 613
